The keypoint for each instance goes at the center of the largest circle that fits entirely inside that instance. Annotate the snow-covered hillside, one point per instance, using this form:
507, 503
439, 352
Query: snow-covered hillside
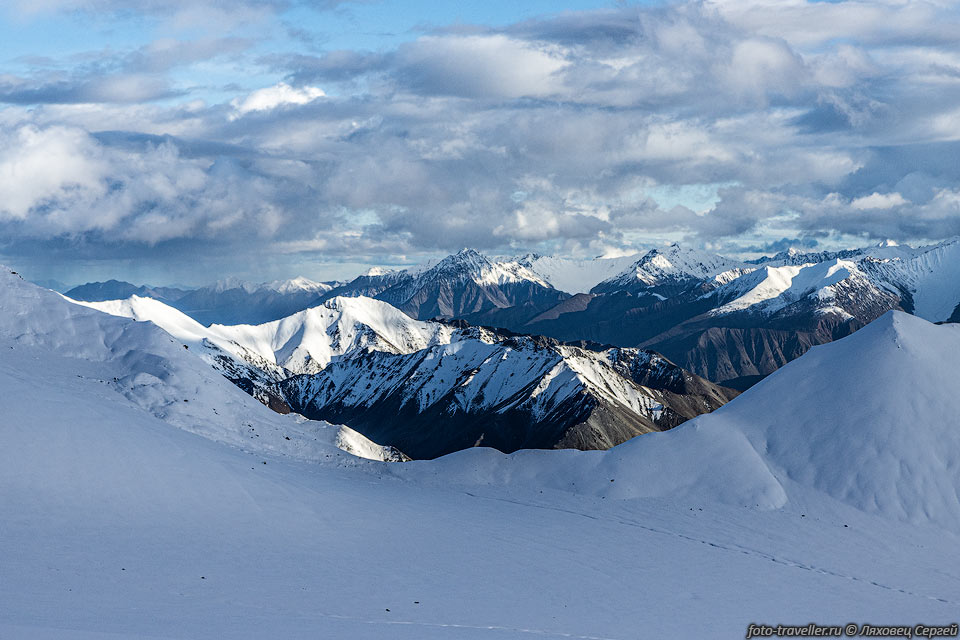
304, 342
832, 286
138, 364
115, 523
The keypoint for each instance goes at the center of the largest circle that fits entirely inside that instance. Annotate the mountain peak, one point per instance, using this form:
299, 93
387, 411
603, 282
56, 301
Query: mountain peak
674, 262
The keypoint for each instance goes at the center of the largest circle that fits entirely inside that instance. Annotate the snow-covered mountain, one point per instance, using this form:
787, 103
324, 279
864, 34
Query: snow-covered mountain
503, 392
464, 285
833, 286
309, 340
927, 277
666, 272
139, 365
257, 357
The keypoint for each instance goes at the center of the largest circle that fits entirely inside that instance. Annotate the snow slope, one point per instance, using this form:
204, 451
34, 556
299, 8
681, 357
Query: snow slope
114, 524
148, 368
304, 342
307, 341
771, 289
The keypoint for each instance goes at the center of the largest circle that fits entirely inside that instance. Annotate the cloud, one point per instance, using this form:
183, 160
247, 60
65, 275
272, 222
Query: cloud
62, 182
479, 66
878, 201
268, 98
808, 122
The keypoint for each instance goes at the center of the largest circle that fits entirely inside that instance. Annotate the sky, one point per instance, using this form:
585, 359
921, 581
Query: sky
183, 141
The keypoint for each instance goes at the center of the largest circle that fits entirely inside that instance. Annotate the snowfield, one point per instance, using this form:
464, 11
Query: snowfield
827, 493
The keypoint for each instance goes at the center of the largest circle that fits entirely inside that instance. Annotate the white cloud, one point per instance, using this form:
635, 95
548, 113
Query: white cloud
879, 201
42, 166
268, 98
760, 66
61, 181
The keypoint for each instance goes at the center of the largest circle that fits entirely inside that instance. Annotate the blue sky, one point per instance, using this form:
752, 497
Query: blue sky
188, 140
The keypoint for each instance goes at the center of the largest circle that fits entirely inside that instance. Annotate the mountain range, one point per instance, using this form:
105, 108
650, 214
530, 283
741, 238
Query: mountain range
431, 388
509, 393
729, 321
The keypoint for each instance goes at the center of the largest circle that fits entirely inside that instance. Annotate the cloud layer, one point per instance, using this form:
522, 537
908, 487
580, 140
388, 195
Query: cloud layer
823, 123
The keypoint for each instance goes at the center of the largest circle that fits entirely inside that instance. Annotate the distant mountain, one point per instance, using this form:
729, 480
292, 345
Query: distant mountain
371, 284
506, 392
736, 322
228, 301
667, 272
796, 257
233, 301
117, 289
463, 285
